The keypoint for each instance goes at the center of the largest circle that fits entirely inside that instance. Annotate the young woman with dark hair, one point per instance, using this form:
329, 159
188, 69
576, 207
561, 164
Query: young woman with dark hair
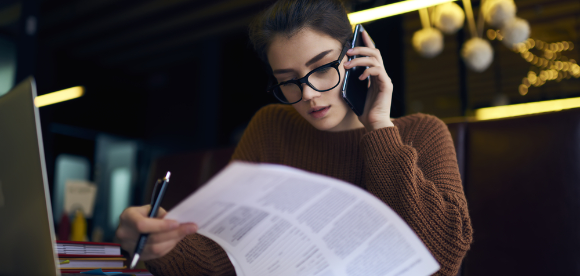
409, 162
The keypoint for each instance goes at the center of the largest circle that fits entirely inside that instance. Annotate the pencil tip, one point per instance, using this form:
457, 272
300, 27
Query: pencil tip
167, 176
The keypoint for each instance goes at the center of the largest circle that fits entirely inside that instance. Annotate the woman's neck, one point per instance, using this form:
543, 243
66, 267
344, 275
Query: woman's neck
349, 122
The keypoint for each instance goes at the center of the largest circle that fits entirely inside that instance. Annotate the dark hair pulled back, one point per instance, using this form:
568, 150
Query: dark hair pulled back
288, 17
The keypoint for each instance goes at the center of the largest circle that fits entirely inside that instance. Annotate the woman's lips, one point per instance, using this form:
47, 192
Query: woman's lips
318, 111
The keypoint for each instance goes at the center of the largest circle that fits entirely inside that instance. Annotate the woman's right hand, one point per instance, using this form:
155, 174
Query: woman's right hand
163, 234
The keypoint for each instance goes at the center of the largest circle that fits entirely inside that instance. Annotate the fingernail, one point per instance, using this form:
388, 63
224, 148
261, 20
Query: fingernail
350, 50
347, 63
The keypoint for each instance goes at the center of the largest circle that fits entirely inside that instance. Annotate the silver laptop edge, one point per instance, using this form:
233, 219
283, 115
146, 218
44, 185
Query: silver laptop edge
44, 174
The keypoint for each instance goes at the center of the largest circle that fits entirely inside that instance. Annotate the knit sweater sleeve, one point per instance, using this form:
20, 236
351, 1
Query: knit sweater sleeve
418, 177
196, 254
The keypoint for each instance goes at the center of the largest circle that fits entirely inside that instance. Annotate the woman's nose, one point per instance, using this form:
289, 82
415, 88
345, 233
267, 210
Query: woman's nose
308, 93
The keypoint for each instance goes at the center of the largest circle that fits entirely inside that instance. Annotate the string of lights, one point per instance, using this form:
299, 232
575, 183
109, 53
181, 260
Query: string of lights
550, 65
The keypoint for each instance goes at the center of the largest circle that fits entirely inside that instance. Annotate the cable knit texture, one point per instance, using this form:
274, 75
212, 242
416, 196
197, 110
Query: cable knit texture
412, 167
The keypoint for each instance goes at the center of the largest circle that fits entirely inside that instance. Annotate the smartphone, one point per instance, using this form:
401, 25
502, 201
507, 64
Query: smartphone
354, 91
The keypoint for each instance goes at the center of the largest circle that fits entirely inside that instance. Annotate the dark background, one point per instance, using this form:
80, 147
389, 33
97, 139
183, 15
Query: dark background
174, 75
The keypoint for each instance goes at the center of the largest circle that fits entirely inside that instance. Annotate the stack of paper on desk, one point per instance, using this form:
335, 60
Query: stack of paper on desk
276, 220
92, 263
89, 255
87, 248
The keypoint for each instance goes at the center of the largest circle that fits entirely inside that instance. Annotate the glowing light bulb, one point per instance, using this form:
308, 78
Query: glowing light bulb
532, 43
491, 34
532, 77
523, 90
526, 82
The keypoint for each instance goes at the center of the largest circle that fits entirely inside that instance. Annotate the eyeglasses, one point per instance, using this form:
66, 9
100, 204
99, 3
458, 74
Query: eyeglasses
321, 79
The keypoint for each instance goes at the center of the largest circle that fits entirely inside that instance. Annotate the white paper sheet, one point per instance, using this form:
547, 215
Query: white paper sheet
277, 220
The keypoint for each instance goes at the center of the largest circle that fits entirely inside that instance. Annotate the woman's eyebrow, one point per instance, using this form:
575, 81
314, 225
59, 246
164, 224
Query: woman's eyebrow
317, 57
308, 63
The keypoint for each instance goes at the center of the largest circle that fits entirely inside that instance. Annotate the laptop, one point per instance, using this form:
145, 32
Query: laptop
26, 228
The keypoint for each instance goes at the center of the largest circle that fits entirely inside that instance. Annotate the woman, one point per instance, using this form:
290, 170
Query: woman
408, 162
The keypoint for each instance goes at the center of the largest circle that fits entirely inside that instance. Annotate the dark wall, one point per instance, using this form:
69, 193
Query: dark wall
203, 99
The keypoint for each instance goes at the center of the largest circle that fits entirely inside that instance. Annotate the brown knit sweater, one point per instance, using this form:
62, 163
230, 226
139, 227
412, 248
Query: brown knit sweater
411, 167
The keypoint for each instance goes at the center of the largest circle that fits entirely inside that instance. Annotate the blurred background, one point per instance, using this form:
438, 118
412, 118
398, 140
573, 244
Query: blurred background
169, 77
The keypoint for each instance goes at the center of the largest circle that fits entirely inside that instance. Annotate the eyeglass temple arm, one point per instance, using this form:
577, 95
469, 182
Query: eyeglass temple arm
344, 49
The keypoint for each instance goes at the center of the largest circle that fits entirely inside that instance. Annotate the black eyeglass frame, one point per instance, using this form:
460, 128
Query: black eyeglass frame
300, 81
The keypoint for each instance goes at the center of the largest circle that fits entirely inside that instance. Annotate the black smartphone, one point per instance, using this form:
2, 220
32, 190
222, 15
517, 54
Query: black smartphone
354, 91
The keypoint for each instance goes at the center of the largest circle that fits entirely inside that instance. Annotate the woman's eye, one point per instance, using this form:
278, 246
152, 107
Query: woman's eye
324, 70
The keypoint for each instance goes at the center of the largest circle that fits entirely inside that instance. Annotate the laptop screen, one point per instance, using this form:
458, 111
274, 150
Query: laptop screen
26, 228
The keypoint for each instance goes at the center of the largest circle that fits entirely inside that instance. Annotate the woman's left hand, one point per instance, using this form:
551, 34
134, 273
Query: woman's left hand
377, 111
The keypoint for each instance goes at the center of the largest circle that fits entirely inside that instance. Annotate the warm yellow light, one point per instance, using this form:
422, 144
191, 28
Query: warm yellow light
491, 34
59, 96
523, 89
532, 77
575, 68
497, 112
392, 9
526, 82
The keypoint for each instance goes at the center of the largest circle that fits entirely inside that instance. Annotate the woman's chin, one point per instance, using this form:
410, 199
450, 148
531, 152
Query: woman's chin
331, 121
323, 127
326, 124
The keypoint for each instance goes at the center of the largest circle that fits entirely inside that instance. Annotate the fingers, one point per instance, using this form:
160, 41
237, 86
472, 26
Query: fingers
363, 61
365, 51
134, 221
160, 243
375, 71
151, 225
177, 234
164, 234
161, 212
369, 72
144, 210
128, 234
372, 55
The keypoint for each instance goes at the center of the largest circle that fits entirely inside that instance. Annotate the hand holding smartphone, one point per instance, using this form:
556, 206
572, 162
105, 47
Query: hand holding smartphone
354, 91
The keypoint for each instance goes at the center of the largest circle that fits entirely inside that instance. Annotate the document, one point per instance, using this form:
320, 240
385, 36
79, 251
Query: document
277, 220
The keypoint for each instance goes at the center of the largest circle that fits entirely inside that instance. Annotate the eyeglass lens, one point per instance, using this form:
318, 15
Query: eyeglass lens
323, 79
